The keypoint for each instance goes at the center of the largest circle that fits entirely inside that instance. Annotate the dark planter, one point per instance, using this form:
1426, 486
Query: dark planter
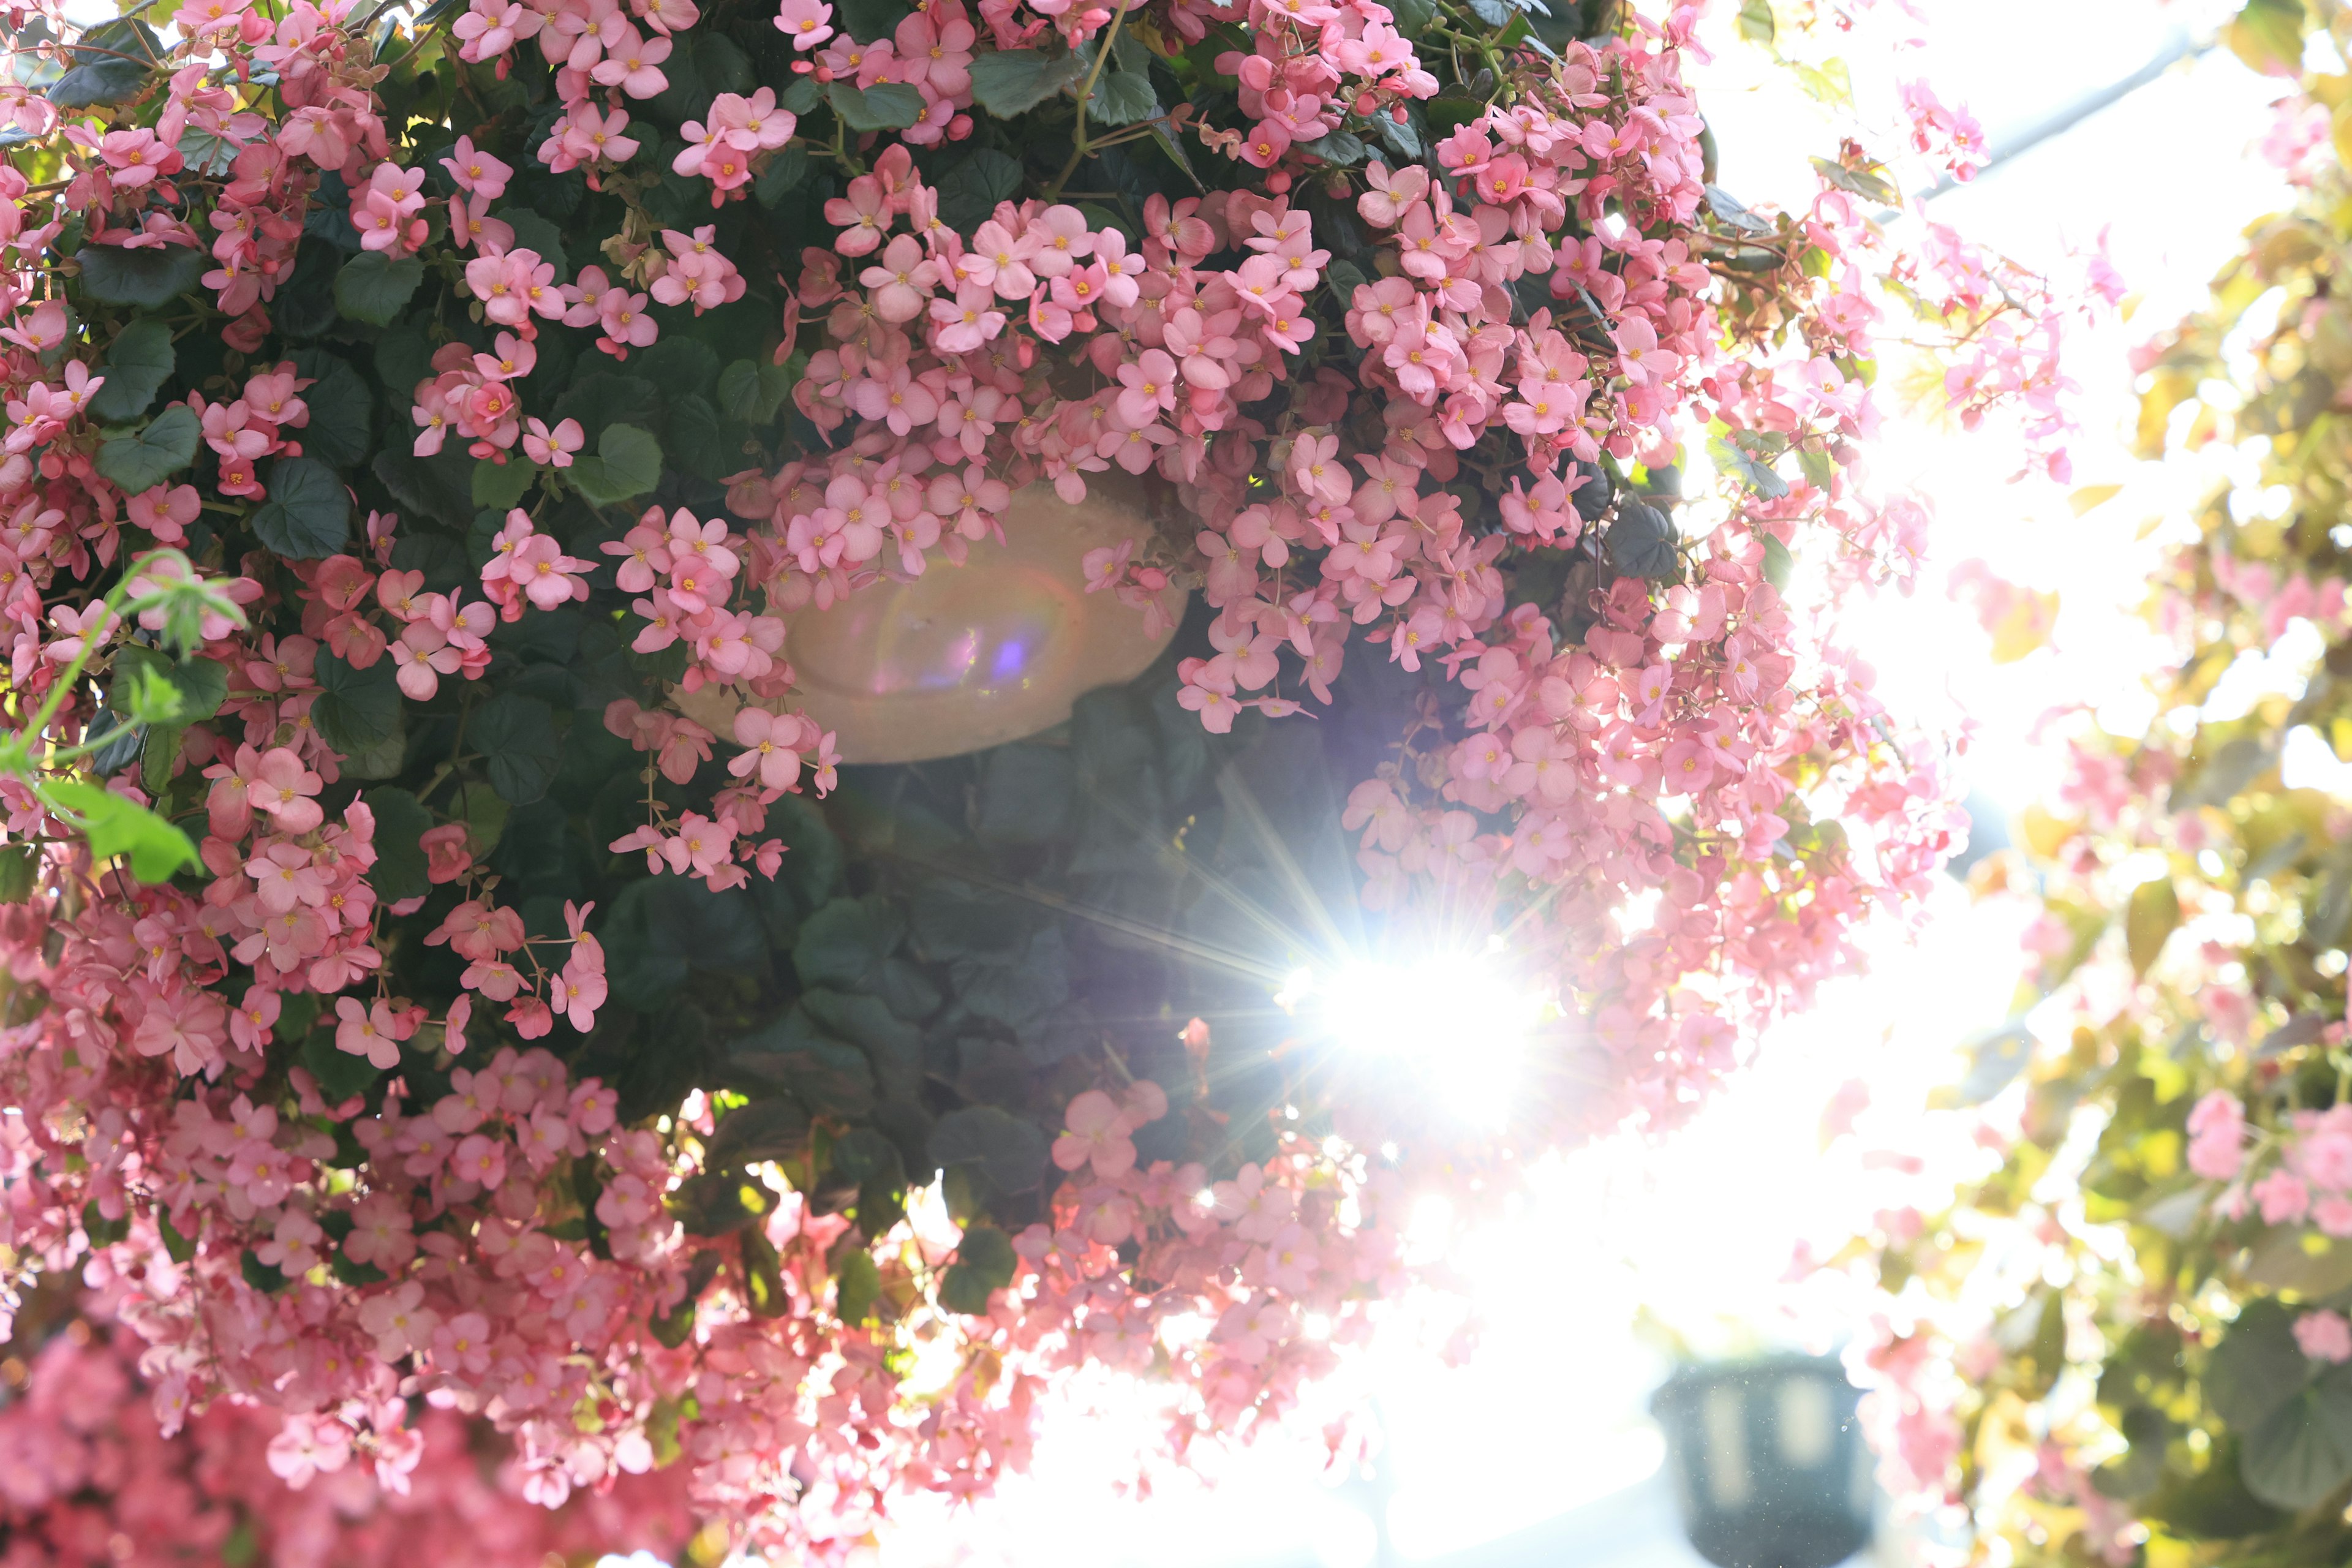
1768, 1462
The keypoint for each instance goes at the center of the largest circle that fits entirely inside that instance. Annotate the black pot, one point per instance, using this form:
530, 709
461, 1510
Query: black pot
1768, 1462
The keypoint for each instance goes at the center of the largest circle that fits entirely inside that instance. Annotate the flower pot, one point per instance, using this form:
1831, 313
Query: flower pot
968, 656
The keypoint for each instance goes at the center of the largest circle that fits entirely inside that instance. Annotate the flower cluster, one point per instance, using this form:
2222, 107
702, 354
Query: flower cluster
433, 550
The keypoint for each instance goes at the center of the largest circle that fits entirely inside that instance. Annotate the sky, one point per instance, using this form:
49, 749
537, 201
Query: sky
1549, 1422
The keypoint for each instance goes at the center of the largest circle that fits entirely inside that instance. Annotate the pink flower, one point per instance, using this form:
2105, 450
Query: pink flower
807, 23
773, 740
1096, 1130
374, 1032
2323, 1336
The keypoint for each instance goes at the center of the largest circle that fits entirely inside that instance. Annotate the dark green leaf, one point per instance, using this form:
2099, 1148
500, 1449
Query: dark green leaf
1014, 81
2257, 1367
1344, 148
984, 1266
781, 177
499, 486
885, 106
696, 444
356, 710
857, 1287
2302, 1452
517, 735
307, 516
138, 363
845, 942
678, 366
1641, 543
1009, 1151
374, 287
112, 64
146, 459
536, 234
340, 1075
627, 462
1124, 97
343, 409
265, 1277
401, 821
763, 1130
750, 391
1756, 473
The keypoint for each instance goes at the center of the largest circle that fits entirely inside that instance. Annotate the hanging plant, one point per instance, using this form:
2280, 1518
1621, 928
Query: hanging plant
456, 952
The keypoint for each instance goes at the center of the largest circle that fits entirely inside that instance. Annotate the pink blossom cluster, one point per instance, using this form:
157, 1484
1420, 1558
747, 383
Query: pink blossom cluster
88, 1475
450, 1292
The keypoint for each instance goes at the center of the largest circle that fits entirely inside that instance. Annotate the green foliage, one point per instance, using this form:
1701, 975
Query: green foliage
138, 363
376, 288
150, 846
307, 516
142, 461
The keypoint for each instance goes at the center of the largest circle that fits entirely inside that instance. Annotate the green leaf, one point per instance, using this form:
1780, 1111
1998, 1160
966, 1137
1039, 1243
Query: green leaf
1344, 148
1014, 81
535, 233
499, 486
1819, 469
763, 1130
1413, 16
1756, 23
114, 826
750, 391
1641, 543
356, 710
857, 1287
307, 516
150, 278
866, 20
1777, 563
697, 446
627, 462
340, 1075
801, 96
885, 106
680, 366
141, 461
2152, 914
1870, 183
781, 177
517, 735
2257, 1367
1755, 472
984, 1266
265, 1277
2302, 1452
343, 410
1123, 97
113, 64
138, 363
19, 873
374, 287
1009, 1151
401, 821
180, 1247
845, 942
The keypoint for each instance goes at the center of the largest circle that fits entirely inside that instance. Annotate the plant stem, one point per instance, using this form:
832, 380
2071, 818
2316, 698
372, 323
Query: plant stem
1085, 92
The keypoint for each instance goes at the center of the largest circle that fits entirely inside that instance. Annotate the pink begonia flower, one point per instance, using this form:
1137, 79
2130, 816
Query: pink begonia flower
807, 23
282, 786
476, 172
772, 739
1095, 1131
2323, 1336
374, 1032
554, 447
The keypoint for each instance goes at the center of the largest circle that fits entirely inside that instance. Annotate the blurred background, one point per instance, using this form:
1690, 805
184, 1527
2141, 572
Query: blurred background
1542, 1449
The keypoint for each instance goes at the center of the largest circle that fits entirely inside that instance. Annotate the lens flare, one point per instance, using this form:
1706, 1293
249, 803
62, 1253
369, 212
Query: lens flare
1459, 1022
